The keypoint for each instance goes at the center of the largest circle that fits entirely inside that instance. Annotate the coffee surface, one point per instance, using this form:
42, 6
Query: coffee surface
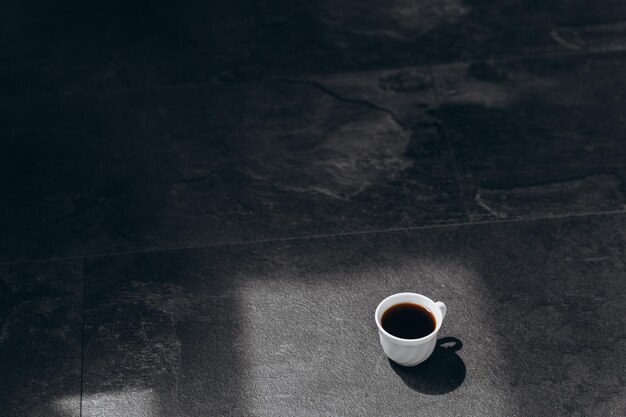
408, 321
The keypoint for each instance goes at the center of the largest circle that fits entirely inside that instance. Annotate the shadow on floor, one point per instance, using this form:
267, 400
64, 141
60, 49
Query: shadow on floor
442, 373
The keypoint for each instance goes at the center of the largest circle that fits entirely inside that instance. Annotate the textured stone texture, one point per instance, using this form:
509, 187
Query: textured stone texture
536, 325
229, 189
194, 166
182, 167
40, 339
77, 46
537, 137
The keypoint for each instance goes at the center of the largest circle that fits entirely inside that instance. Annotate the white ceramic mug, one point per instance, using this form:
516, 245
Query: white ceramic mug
409, 352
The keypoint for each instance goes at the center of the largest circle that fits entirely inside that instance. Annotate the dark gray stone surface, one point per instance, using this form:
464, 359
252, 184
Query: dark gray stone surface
536, 317
88, 174
537, 137
40, 339
206, 165
236, 185
77, 46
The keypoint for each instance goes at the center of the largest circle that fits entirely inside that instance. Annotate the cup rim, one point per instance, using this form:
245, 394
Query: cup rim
378, 316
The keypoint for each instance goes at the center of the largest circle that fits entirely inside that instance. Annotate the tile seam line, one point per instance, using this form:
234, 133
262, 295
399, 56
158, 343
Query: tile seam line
448, 143
8, 99
82, 342
317, 236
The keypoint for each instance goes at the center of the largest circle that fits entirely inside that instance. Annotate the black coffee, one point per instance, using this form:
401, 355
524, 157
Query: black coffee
408, 321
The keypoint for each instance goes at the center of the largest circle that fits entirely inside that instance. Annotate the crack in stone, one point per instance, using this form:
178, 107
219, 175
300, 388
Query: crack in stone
200, 177
341, 98
482, 203
556, 36
586, 194
603, 36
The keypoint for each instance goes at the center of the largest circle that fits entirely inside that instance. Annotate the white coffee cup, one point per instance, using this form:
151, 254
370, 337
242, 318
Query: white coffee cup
409, 352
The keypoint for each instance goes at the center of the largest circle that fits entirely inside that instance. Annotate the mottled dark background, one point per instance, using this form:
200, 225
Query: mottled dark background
202, 203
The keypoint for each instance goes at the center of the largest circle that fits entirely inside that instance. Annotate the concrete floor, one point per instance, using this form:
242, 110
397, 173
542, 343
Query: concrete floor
202, 206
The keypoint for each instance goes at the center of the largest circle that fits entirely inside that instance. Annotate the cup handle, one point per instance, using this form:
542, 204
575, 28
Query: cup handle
443, 309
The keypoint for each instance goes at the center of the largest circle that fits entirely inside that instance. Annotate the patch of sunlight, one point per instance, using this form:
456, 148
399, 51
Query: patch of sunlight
143, 402
295, 346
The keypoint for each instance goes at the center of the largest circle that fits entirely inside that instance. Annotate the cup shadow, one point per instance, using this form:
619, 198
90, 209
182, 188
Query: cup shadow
440, 374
